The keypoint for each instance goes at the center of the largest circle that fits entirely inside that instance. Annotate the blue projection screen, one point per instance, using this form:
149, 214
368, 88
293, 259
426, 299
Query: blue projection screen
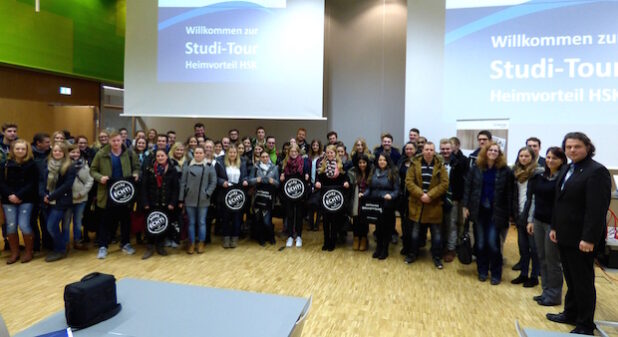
259, 59
548, 64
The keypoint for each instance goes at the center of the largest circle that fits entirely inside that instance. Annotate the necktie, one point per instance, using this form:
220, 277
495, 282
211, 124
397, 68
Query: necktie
568, 175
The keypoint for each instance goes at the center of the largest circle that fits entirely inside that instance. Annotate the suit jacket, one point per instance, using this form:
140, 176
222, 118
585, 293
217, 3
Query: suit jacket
581, 206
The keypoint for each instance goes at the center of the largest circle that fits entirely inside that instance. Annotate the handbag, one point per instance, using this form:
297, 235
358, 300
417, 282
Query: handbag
90, 300
464, 249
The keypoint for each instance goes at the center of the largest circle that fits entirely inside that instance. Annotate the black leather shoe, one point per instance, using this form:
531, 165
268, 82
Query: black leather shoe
517, 266
561, 318
547, 303
531, 282
583, 331
520, 279
376, 254
538, 298
482, 278
495, 281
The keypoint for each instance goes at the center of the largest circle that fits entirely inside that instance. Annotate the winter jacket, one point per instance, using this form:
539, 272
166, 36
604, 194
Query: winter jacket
503, 195
272, 172
197, 184
62, 195
457, 177
380, 185
222, 174
160, 197
19, 179
418, 211
102, 166
83, 182
521, 218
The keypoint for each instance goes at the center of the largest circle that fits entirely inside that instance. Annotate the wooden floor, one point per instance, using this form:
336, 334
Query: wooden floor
353, 294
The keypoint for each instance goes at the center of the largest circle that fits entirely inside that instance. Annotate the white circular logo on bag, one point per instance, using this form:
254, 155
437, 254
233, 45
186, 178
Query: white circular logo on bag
235, 199
121, 192
294, 188
156, 223
332, 200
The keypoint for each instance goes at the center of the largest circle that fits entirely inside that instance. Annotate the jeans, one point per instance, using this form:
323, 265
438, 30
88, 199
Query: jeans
231, 223
200, 213
549, 258
487, 245
18, 215
77, 213
53, 227
450, 226
527, 252
436, 239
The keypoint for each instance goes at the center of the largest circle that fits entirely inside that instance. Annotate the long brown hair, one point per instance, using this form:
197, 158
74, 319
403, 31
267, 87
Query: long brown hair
481, 161
525, 172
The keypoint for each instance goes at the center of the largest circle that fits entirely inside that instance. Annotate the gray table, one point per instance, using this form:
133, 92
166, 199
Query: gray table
152, 309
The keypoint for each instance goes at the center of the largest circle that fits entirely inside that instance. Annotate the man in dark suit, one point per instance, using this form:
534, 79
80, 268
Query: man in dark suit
583, 193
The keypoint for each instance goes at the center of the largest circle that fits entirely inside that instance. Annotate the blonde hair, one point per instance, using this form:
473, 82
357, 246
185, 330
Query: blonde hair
66, 161
365, 147
28, 156
226, 159
339, 163
170, 154
287, 156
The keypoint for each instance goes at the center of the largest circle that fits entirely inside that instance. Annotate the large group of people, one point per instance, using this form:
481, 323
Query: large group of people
557, 207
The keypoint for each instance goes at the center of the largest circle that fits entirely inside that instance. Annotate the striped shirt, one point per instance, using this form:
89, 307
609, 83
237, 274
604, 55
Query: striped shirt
426, 174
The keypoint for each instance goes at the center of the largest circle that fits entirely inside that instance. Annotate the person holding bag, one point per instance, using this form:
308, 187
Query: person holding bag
330, 175
264, 175
294, 166
383, 184
197, 185
359, 177
231, 173
159, 193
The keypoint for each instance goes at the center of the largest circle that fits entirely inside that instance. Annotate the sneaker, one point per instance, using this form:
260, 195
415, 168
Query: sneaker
290, 242
299, 242
102, 253
438, 263
410, 259
128, 249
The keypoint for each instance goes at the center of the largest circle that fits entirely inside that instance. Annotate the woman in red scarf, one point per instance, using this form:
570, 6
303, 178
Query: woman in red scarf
294, 166
159, 193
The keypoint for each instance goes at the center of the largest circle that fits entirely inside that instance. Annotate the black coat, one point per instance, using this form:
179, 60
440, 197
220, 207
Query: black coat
160, 197
581, 207
19, 179
503, 195
457, 176
63, 193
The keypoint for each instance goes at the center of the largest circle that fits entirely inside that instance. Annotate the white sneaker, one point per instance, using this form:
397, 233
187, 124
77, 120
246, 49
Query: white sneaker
128, 249
299, 242
102, 253
290, 242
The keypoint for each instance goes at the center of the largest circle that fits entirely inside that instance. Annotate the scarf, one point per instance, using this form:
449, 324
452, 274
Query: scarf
53, 168
294, 166
159, 171
332, 170
264, 167
194, 162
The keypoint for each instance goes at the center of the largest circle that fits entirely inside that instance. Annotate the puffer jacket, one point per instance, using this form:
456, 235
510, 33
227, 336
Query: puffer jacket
503, 195
418, 211
83, 181
197, 184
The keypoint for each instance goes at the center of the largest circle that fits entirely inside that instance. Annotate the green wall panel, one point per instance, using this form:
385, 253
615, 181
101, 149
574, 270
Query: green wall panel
76, 37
